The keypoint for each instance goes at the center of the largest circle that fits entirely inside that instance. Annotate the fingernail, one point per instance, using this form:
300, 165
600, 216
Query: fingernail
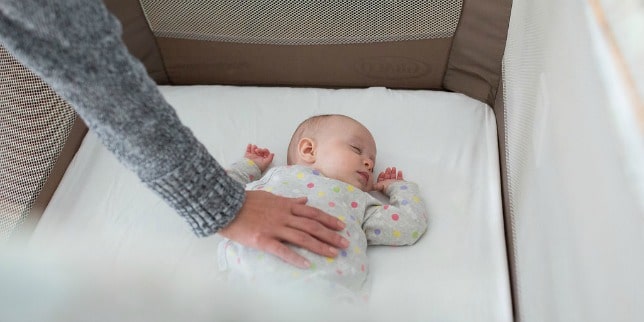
344, 243
333, 251
341, 224
306, 264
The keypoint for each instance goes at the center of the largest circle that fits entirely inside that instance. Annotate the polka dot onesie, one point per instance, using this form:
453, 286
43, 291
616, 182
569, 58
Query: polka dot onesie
368, 222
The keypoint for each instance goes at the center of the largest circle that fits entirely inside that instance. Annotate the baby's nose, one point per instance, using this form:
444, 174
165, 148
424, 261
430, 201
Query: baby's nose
369, 164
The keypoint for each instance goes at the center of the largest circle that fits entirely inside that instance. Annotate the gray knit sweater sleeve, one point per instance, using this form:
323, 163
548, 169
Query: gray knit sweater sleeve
75, 46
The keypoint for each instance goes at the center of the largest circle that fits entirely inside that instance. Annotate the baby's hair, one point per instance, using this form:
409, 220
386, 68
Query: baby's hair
307, 128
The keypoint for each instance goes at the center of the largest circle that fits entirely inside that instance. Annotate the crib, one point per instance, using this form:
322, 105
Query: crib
517, 119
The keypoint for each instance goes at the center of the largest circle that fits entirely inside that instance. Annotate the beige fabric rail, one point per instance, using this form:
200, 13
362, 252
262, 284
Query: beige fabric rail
401, 44
479, 41
437, 44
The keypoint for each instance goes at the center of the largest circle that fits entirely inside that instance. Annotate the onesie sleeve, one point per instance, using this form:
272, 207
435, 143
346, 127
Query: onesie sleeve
244, 171
75, 46
402, 221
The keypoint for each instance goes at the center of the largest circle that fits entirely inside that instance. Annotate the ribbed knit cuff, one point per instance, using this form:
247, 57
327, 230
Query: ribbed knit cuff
202, 193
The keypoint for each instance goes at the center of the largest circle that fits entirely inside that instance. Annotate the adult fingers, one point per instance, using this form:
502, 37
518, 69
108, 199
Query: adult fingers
304, 240
261, 224
302, 210
282, 251
315, 237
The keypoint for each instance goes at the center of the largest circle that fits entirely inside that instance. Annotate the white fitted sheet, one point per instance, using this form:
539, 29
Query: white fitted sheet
446, 142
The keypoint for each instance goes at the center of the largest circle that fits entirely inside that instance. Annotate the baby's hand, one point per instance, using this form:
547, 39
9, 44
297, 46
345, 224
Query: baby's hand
261, 157
387, 177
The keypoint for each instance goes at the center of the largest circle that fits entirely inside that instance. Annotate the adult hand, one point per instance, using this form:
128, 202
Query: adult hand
266, 222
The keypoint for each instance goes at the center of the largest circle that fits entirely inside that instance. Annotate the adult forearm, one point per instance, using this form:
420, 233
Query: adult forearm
75, 46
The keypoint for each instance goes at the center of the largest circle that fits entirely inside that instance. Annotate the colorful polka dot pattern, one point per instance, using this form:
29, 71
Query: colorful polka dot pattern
389, 224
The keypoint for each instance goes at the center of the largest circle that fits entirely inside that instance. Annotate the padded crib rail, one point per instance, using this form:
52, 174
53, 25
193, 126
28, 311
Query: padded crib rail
454, 45
35, 128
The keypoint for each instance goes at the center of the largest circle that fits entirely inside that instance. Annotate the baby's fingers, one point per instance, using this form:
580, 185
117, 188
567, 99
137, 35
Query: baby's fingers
263, 152
385, 175
390, 173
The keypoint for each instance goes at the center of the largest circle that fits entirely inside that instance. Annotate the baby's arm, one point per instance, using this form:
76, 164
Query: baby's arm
403, 220
256, 161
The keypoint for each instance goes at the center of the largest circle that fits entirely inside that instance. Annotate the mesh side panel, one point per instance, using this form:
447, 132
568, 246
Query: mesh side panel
304, 22
34, 125
522, 64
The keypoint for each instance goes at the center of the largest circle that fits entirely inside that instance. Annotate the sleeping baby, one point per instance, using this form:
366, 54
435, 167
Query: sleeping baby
330, 161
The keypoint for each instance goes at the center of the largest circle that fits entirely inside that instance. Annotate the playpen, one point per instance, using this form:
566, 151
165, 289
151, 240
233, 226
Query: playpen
517, 119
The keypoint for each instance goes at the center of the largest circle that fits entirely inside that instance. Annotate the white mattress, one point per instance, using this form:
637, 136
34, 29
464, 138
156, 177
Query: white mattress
445, 142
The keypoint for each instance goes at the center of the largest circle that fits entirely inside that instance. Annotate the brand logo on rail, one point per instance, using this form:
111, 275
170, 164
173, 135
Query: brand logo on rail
391, 67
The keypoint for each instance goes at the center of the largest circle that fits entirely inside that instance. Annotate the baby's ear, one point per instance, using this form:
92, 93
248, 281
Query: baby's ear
306, 150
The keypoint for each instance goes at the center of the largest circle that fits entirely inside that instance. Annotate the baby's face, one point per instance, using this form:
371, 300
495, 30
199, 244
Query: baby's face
346, 151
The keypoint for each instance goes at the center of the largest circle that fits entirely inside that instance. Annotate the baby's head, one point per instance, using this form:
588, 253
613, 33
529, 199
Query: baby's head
336, 145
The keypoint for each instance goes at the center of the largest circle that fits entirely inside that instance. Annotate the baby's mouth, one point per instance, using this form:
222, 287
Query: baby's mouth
365, 177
